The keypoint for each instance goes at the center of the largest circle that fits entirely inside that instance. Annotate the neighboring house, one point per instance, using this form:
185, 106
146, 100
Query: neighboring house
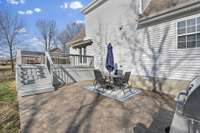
157, 40
4, 61
56, 50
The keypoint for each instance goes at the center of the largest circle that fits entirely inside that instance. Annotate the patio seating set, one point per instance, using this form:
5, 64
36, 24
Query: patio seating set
112, 82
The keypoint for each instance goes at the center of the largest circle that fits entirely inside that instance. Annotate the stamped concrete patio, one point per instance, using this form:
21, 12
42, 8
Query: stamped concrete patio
72, 109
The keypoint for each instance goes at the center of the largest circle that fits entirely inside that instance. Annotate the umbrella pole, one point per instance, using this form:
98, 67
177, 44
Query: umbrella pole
109, 80
110, 77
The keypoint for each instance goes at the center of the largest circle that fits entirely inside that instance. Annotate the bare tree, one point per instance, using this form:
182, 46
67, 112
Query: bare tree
10, 27
48, 32
69, 33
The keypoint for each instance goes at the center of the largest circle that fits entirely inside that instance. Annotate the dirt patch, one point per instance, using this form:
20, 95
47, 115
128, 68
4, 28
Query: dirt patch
9, 118
13, 86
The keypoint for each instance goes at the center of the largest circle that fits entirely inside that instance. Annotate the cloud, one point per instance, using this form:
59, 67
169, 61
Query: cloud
27, 12
22, 30
37, 10
73, 5
21, 12
65, 5
30, 12
76, 5
80, 22
30, 42
16, 2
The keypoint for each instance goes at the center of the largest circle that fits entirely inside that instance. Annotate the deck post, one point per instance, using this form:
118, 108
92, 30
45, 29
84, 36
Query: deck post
19, 57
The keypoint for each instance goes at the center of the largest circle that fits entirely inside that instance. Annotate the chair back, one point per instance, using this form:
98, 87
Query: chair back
119, 72
127, 77
98, 75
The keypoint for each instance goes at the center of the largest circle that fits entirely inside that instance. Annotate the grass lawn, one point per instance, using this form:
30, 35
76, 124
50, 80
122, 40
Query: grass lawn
9, 116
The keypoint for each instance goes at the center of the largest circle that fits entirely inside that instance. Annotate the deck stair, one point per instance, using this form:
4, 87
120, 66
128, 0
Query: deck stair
39, 72
33, 79
59, 77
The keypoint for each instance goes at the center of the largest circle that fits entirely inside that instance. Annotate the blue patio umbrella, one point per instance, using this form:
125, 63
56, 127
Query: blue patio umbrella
109, 59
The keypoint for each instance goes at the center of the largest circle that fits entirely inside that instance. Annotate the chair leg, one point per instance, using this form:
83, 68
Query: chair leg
129, 87
121, 88
95, 83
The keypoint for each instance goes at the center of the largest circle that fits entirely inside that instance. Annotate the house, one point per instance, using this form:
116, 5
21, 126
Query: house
157, 40
4, 61
79, 45
57, 50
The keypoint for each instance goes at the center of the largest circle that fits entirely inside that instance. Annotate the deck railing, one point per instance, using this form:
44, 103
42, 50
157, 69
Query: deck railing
30, 57
72, 60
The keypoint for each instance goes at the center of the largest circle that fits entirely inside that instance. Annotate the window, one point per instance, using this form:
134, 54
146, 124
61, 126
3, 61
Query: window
188, 33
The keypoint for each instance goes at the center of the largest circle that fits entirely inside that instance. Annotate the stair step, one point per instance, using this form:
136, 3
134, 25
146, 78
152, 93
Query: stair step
38, 77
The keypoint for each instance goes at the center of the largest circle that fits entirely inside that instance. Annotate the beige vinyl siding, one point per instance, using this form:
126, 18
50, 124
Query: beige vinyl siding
182, 64
149, 51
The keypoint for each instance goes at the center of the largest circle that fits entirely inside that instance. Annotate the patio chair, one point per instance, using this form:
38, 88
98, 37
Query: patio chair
119, 72
126, 78
122, 82
100, 80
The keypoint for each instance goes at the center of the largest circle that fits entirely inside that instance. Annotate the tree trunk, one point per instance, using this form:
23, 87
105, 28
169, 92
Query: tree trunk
11, 59
154, 84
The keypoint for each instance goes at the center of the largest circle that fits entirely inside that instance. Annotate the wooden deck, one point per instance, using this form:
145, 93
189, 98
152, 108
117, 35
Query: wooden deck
72, 109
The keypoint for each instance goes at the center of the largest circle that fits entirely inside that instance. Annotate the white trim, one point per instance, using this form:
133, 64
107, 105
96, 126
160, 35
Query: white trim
140, 6
93, 5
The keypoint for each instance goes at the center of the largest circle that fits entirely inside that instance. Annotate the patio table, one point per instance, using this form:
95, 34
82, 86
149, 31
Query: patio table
110, 79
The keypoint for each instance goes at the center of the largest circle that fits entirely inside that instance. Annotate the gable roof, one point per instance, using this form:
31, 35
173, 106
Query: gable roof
55, 50
79, 40
164, 10
159, 5
80, 35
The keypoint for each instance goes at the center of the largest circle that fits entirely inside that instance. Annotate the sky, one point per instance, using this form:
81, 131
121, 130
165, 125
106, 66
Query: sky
62, 11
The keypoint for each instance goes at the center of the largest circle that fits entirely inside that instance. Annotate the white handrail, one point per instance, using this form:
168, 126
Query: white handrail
48, 59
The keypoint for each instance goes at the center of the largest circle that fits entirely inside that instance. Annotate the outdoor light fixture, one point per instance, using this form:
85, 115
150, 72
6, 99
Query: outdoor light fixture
121, 27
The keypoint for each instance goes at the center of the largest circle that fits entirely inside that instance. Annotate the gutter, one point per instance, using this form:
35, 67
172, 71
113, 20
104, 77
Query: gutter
170, 14
93, 5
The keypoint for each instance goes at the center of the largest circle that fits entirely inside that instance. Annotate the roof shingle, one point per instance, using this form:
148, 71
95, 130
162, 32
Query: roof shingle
159, 5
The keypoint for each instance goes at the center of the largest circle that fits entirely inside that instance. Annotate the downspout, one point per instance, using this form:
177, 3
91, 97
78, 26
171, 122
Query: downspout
140, 6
